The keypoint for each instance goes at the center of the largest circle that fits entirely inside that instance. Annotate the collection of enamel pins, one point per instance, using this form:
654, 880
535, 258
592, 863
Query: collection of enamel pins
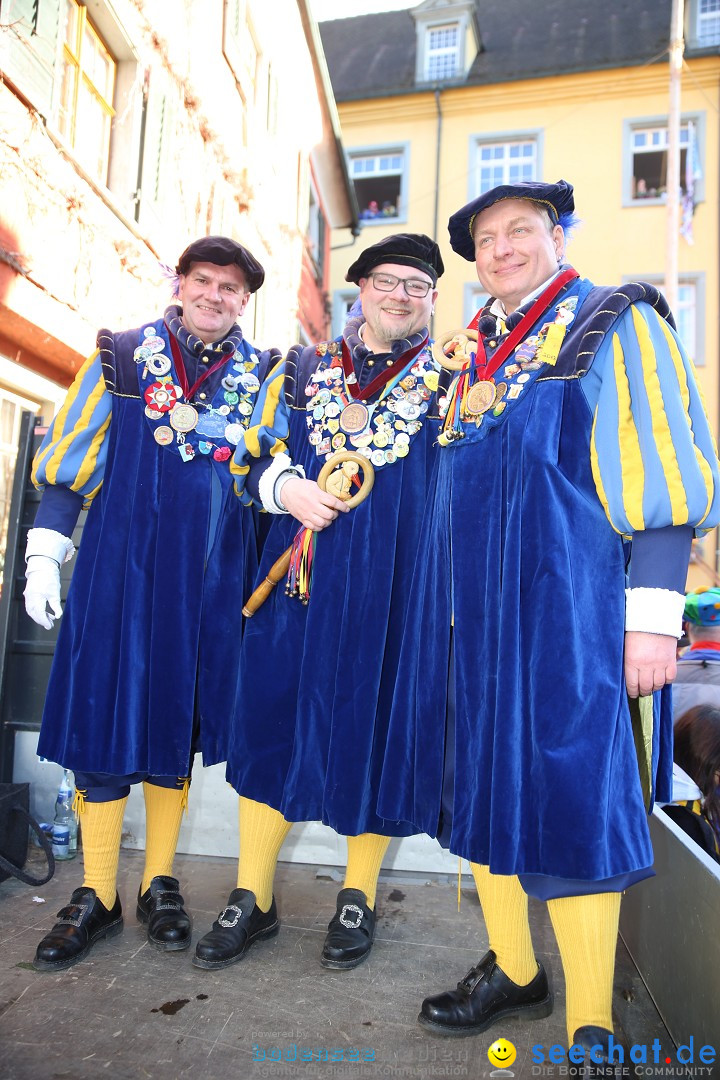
381, 430
177, 423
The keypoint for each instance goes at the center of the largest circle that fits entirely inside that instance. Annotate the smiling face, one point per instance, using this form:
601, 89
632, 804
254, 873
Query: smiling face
390, 316
502, 1053
516, 249
213, 298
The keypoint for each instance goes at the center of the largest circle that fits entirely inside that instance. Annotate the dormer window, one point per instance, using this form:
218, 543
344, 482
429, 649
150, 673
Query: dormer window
708, 22
447, 40
442, 52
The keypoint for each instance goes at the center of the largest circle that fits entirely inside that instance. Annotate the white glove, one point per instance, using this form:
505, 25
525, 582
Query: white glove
45, 552
42, 590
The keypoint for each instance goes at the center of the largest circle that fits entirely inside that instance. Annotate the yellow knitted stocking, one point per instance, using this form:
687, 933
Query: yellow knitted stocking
586, 928
262, 832
101, 834
163, 815
365, 856
505, 908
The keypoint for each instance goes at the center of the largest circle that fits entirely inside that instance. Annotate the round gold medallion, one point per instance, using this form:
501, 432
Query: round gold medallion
184, 418
481, 397
354, 418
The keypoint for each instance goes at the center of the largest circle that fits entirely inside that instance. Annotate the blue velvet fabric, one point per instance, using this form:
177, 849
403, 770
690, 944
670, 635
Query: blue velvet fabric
148, 648
317, 681
518, 552
103, 787
59, 509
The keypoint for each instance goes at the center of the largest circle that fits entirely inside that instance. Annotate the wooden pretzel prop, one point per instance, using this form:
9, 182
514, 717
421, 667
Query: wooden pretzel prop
280, 567
459, 343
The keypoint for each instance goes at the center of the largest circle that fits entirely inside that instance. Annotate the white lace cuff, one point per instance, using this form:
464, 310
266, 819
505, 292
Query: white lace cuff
51, 544
270, 483
654, 611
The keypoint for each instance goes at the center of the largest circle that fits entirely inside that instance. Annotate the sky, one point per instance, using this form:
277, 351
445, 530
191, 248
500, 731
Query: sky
344, 9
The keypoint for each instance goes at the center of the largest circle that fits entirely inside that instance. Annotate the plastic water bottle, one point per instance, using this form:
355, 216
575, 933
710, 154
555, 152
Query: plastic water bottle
64, 825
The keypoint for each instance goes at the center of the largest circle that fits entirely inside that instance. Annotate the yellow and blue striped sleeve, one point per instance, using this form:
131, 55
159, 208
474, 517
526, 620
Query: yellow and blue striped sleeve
268, 430
653, 455
74, 450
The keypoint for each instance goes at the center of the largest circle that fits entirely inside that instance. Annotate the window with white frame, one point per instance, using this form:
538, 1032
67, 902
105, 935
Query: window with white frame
343, 300
87, 86
442, 52
474, 300
707, 26
686, 316
649, 161
240, 48
505, 162
316, 235
379, 178
689, 311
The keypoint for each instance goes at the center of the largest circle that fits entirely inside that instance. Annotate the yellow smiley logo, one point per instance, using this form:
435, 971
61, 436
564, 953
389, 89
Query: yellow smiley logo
502, 1053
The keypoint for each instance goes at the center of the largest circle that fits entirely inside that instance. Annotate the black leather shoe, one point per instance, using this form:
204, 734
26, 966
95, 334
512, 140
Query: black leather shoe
169, 927
484, 996
237, 927
83, 922
350, 931
596, 1041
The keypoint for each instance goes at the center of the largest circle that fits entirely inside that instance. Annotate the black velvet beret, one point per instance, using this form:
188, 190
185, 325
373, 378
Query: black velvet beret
557, 199
222, 251
407, 249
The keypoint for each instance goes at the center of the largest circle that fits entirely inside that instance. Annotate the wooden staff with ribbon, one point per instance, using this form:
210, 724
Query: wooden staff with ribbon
280, 567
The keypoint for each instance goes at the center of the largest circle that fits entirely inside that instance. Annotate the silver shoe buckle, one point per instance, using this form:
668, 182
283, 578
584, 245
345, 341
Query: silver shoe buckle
347, 911
228, 920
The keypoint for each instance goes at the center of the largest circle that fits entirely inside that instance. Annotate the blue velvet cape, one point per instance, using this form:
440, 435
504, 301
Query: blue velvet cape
146, 661
518, 553
317, 681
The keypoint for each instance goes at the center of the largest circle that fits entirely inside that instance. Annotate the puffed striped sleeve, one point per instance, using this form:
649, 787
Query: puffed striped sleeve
74, 450
653, 455
267, 433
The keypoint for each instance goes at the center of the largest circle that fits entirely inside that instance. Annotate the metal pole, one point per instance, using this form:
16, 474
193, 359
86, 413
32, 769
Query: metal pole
438, 163
673, 154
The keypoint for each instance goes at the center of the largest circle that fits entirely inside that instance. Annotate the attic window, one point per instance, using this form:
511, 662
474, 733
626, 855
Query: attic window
442, 52
708, 22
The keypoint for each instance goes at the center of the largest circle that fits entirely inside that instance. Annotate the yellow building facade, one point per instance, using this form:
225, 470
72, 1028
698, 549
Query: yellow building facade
605, 131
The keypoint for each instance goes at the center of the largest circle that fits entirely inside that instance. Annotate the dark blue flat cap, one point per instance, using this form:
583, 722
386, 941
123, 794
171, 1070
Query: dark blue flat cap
407, 249
557, 199
222, 251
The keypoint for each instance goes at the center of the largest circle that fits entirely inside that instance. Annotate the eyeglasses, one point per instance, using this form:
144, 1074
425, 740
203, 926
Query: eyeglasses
412, 286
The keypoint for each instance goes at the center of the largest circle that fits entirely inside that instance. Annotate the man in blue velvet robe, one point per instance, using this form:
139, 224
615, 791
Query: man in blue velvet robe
144, 672
575, 440
322, 674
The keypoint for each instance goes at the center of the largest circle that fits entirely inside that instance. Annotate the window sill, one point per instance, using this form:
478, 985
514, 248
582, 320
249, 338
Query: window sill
367, 222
